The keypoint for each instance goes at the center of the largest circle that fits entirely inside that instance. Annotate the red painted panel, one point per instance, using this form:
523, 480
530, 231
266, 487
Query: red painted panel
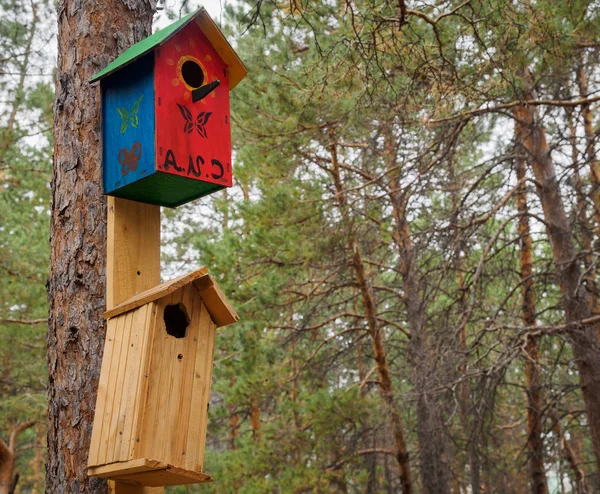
192, 139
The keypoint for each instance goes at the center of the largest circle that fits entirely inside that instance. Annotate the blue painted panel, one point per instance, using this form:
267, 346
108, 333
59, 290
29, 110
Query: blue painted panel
128, 131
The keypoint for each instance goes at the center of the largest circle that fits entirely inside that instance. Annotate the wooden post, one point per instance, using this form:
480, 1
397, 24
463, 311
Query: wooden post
132, 266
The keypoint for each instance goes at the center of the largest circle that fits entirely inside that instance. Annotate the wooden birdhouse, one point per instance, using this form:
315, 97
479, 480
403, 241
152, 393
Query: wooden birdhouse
165, 114
153, 395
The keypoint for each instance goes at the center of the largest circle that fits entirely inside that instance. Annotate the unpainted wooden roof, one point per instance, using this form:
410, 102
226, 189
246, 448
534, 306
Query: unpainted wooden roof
213, 298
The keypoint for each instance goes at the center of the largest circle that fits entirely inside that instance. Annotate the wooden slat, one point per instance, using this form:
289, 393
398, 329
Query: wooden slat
136, 447
153, 423
111, 391
193, 305
168, 476
171, 393
208, 367
221, 312
133, 249
147, 472
127, 488
101, 401
119, 384
155, 293
195, 416
127, 467
131, 384
200, 395
142, 383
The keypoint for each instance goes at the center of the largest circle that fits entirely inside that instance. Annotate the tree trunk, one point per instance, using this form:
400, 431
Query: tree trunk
255, 419
590, 155
575, 301
434, 470
537, 471
375, 331
469, 421
90, 35
570, 456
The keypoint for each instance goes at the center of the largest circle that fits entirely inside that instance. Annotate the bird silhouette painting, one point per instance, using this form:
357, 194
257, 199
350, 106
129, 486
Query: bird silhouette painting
190, 124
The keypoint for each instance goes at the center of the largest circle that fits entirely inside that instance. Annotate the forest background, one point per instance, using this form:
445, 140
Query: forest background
411, 241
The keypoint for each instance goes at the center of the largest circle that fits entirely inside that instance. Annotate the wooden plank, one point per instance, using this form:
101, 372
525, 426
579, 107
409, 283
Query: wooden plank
111, 391
168, 476
195, 415
192, 303
101, 399
119, 385
125, 426
208, 367
133, 249
132, 266
155, 425
221, 312
170, 396
127, 467
126, 488
200, 394
145, 408
142, 383
155, 293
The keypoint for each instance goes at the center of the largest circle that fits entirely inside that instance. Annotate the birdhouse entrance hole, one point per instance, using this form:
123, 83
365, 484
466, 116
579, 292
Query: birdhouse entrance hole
192, 74
176, 320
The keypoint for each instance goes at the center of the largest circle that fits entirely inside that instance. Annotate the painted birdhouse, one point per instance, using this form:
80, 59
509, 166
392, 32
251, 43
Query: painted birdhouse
165, 114
153, 394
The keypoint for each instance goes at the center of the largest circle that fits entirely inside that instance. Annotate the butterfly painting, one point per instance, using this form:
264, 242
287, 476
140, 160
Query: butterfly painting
190, 124
130, 117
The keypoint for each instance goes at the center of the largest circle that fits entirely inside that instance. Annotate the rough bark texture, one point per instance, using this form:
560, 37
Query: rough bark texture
375, 332
575, 301
537, 471
434, 469
90, 35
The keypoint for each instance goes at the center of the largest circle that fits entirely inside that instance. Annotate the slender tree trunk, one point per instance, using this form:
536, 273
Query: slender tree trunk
468, 420
375, 332
90, 35
255, 419
570, 455
590, 155
575, 301
434, 469
8, 457
537, 471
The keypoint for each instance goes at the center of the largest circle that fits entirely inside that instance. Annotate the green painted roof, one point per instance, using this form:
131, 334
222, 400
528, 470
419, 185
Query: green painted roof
145, 46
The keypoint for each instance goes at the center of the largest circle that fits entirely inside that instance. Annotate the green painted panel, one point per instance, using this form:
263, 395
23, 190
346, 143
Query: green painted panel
145, 45
165, 189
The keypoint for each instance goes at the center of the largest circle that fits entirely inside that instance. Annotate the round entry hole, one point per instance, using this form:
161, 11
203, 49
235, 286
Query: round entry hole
176, 320
180, 356
192, 74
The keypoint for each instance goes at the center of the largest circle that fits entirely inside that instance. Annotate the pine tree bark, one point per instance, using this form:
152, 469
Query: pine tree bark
575, 298
537, 470
90, 35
